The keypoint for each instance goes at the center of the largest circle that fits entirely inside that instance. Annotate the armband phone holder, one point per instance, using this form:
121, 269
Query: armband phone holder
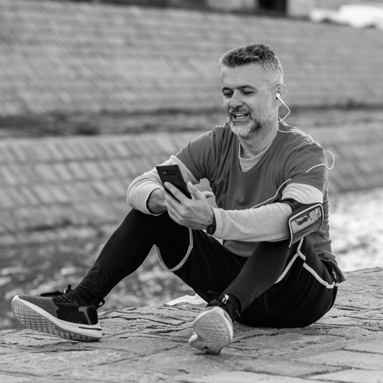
304, 221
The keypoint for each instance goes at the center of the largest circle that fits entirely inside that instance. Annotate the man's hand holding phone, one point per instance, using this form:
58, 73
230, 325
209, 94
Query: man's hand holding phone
194, 213
185, 204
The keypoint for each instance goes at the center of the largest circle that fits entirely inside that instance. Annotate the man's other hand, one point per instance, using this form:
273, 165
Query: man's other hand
156, 201
194, 213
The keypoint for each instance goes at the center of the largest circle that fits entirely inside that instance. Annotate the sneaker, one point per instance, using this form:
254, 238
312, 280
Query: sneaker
213, 330
63, 314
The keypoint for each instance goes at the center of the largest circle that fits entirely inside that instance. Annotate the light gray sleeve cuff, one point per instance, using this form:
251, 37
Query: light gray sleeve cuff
141, 187
265, 223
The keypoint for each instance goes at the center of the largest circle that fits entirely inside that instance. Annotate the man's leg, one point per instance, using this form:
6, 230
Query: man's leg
301, 295
213, 328
73, 314
276, 287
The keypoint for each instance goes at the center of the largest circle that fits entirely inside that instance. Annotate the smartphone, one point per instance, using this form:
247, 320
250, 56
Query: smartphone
173, 175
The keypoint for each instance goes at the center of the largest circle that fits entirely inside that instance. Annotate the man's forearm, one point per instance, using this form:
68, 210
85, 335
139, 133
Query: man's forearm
267, 223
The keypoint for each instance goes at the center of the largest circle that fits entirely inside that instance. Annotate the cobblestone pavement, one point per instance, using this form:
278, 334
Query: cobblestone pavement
149, 344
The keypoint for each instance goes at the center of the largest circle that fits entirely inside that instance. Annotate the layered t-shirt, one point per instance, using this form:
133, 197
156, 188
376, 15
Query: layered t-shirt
293, 157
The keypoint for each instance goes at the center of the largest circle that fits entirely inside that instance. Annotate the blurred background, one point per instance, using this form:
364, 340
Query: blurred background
93, 93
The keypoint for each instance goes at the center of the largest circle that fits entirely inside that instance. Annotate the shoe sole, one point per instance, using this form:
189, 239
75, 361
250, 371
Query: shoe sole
212, 332
38, 319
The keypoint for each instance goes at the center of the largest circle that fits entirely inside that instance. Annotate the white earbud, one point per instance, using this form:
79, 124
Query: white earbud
278, 96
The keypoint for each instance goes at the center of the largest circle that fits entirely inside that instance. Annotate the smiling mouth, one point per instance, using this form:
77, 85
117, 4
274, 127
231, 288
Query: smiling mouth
239, 116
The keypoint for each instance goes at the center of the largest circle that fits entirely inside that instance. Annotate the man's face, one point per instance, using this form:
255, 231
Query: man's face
247, 99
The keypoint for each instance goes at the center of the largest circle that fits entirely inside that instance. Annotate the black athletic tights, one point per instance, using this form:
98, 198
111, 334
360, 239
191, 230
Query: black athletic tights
203, 263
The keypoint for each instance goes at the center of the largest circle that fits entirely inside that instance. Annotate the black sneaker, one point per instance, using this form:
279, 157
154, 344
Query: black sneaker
62, 314
213, 328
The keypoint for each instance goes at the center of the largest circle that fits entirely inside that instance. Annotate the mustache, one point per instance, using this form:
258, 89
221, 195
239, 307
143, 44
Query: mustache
239, 109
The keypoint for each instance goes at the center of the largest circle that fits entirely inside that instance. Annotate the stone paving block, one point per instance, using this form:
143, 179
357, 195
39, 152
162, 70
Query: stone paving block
13, 379
85, 148
9, 176
6, 200
78, 170
352, 376
29, 197
108, 147
45, 172
373, 347
62, 172
349, 359
38, 153
68, 150
166, 144
92, 169
99, 149
43, 194
24, 174
56, 152
8, 221
82, 190
119, 168
6, 153
132, 169
28, 338
293, 368
285, 342
105, 169
21, 155
60, 196
118, 187
96, 212
246, 377
110, 375
101, 188
120, 150
47, 363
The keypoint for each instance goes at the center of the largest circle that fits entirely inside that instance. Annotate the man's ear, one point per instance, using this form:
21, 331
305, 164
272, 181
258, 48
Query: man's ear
281, 91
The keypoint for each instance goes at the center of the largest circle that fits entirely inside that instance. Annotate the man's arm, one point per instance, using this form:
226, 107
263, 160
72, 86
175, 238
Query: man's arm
265, 223
146, 192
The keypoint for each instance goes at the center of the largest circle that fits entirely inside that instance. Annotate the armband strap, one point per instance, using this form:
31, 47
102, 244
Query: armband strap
305, 220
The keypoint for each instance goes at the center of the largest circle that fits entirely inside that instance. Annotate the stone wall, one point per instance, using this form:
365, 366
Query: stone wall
54, 183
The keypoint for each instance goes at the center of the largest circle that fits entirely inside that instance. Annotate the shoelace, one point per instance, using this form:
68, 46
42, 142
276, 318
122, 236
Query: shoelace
222, 301
57, 293
59, 296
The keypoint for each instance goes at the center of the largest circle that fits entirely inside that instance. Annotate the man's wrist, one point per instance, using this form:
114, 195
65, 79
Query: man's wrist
213, 225
155, 203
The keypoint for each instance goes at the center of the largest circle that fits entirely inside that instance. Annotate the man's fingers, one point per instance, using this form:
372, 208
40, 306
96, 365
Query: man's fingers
195, 192
208, 194
175, 191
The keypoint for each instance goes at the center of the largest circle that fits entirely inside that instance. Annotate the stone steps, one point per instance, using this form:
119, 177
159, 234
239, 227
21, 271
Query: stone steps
52, 183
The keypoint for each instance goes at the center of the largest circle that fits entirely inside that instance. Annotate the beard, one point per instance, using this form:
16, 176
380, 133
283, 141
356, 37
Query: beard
246, 129
249, 128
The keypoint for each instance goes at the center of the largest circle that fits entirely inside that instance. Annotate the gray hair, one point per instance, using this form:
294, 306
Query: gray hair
255, 54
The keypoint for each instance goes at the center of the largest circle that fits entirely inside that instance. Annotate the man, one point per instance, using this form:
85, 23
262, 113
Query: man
274, 267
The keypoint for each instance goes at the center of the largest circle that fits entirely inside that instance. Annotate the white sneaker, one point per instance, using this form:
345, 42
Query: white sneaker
213, 330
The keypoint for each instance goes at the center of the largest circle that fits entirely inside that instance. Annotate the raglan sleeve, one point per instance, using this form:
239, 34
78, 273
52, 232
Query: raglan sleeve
307, 166
194, 160
200, 155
